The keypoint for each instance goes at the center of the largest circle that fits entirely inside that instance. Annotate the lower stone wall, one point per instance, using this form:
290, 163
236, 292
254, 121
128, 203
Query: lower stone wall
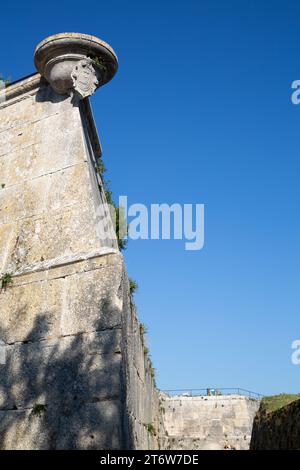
277, 430
208, 422
75, 375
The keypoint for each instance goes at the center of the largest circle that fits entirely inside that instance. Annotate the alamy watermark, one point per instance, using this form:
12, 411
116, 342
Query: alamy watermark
295, 96
158, 222
295, 358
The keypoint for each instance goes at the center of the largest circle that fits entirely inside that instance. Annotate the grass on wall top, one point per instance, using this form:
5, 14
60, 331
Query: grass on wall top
275, 402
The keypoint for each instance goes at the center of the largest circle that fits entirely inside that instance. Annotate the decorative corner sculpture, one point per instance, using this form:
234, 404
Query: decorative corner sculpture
75, 64
85, 78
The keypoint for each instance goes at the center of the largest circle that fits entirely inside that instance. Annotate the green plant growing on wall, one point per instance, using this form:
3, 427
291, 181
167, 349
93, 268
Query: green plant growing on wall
119, 216
152, 372
143, 332
121, 229
6, 280
99, 63
149, 366
100, 167
38, 409
143, 329
133, 286
151, 429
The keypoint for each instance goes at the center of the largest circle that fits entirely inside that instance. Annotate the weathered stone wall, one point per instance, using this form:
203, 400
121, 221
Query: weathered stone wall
144, 411
75, 375
208, 422
277, 430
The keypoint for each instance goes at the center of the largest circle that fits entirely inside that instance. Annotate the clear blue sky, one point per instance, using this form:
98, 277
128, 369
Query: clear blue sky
199, 112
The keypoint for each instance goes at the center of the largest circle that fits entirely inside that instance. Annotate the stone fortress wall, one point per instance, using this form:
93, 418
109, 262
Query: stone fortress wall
208, 422
73, 368
75, 374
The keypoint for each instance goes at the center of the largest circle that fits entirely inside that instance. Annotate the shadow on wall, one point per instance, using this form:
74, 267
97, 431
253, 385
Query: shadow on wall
46, 93
61, 393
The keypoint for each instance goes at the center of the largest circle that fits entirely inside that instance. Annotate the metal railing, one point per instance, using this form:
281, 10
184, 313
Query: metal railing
213, 391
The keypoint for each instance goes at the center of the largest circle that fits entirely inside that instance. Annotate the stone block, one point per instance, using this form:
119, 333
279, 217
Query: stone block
31, 312
89, 426
52, 192
62, 372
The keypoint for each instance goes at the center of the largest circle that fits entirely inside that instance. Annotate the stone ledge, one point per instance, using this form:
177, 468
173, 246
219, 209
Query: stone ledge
62, 261
21, 87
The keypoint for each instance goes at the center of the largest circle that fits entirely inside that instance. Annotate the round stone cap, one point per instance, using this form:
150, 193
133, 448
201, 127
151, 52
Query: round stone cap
57, 56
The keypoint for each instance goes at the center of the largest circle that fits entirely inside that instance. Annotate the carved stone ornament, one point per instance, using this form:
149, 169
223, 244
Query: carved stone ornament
85, 79
68, 61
